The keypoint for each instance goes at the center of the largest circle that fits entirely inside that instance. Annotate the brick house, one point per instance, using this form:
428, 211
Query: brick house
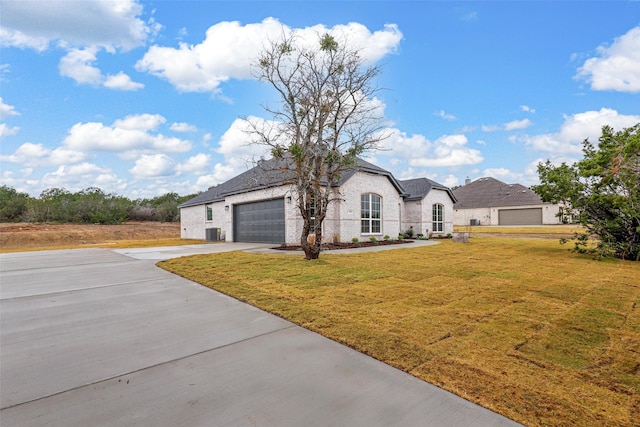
259, 206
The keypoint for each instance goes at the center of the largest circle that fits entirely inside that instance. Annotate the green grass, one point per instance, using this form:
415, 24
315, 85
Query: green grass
521, 326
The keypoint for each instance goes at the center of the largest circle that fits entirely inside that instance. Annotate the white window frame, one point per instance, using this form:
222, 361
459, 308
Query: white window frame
209, 213
367, 222
437, 218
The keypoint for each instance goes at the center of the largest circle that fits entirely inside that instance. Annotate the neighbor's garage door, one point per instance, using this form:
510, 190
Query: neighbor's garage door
259, 222
532, 216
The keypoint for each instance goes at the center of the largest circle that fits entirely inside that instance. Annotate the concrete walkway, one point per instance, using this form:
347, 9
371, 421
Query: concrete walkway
94, 337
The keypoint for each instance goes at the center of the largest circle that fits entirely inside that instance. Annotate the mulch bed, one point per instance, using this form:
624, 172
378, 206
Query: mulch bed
344, 245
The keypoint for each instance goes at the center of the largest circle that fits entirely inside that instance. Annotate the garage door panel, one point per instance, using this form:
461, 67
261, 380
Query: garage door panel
531, 216
259, 222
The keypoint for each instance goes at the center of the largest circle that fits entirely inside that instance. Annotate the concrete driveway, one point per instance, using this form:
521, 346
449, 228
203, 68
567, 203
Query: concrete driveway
96, 337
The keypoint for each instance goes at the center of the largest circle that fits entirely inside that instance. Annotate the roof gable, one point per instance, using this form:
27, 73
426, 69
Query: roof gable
418, 188
489, 192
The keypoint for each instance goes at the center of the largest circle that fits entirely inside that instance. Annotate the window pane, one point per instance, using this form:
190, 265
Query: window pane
364, 206
375, 206
364, 226
375, 226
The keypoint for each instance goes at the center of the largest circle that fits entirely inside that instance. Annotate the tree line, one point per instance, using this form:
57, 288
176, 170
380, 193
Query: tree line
88, 206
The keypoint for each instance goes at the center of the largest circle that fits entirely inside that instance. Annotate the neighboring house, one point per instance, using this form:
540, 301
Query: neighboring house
488, 201
259, 206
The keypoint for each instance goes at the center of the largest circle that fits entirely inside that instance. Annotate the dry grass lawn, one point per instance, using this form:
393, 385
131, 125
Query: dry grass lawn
17, 237
521, 326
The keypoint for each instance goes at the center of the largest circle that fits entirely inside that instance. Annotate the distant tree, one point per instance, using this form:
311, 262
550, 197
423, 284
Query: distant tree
13, 204
327, 116
161, 208
604, 190
53, 205
166, 207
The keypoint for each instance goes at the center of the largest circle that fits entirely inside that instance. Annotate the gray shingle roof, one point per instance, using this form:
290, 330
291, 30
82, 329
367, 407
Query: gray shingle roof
490, 192
418, 188
271, 173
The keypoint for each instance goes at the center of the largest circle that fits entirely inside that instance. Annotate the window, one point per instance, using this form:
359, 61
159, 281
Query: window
370, 213
209, 213
438, 218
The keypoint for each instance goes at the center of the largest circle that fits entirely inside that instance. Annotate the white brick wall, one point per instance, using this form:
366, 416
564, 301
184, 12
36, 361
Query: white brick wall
464, 216
361, 183
437, 197
419, 214
191, 222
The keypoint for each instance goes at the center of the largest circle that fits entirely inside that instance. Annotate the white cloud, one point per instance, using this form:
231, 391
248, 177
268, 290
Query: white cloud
238, 142
78, 65
450, 150
449, 180
133, 133
527, 109
443, 115
418, 151
121, 81
7, 110
8, 131
517, 124
512, 125
199, 164
528, 177
617, 67
183, 127
576, 128
105, 23
80, 176
153, 165
141, 122
230, 48
238, 150
83, 28
490, 128
37, 155
503, 174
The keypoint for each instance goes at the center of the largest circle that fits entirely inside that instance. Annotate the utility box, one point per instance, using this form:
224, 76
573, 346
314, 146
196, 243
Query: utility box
212, 234
474, 222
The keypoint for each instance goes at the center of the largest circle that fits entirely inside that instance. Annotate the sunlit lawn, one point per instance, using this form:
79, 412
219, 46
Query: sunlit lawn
520, 326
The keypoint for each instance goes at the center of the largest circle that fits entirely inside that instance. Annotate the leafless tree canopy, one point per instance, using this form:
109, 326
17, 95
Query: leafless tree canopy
327, 116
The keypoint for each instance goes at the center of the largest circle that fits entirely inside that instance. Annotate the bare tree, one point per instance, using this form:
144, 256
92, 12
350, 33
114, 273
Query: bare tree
326, 118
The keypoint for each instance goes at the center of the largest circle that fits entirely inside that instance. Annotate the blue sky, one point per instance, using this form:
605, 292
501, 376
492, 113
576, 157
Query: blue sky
144, 98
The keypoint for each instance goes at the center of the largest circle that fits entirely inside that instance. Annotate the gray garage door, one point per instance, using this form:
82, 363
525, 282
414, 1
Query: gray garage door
259, 222
531, 216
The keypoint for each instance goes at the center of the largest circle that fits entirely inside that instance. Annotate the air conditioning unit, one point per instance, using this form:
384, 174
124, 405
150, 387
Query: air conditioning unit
474, 222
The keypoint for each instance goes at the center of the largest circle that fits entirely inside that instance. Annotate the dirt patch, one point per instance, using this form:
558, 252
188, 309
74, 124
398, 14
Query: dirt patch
26, 235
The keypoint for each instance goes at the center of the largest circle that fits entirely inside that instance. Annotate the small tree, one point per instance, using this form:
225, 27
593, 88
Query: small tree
13, 204
327, 117
604, 189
